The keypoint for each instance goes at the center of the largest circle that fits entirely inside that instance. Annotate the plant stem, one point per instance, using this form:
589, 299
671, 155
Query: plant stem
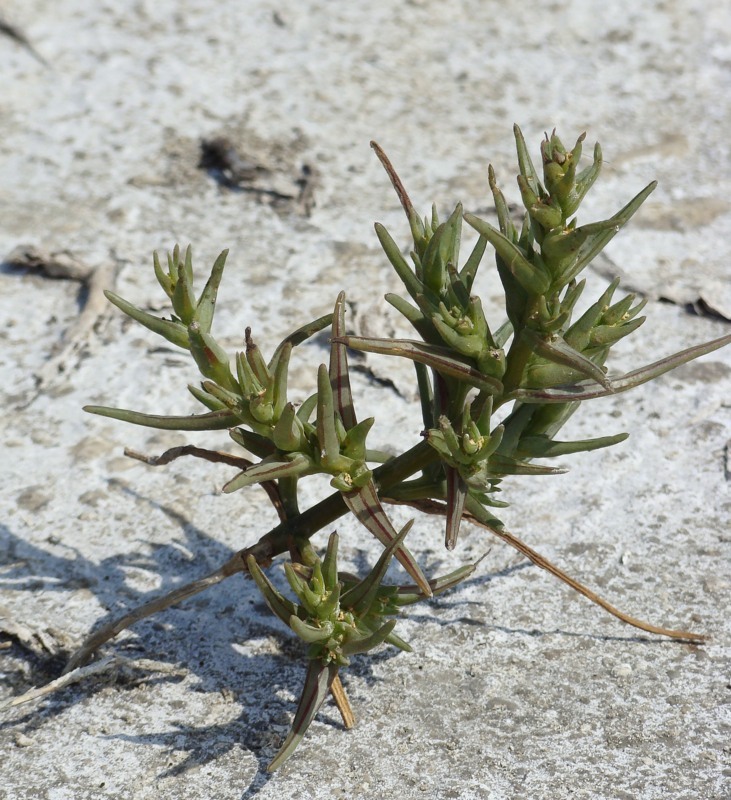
272, 544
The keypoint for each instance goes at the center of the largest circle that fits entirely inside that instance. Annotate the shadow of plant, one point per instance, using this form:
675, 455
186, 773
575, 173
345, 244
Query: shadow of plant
207, 635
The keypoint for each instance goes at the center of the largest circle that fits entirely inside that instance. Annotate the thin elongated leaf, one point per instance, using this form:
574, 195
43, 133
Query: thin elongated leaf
207, 301
368, 510
183, 298
174, 332
279, 605
270, 469
354, 646
598, 235
211, 358
469, 270
408, 595
326, 431
303, 333
163, 278
527, 170
256, 360
211, 402
253, 442
456, 494
311, 633
412, 284
279, 368
442, 359
339, 377
608, 335
504, 465
584, 181
503, 333
213, 421
397, 641
317, 685
560, 352
289, 434
588, 391
501, 207
301, 587
360, 597
414, 316
545, 447
330, 562
532, 278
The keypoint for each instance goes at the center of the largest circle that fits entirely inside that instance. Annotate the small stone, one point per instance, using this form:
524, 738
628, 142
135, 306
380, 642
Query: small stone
21, 740
622, 671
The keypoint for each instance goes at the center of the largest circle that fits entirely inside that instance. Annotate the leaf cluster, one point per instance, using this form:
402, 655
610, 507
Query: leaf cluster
493, 399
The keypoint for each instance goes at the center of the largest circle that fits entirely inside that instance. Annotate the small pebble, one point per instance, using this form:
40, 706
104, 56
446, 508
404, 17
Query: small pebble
21, 740
622, 671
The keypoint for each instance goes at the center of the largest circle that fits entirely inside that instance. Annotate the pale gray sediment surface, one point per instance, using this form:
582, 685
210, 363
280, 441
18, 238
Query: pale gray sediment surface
517, 687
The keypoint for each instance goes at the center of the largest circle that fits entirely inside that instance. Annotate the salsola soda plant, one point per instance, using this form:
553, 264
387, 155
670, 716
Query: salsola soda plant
493, 399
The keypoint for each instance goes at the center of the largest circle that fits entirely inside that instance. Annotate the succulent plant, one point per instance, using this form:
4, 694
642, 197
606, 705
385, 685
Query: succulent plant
535, 368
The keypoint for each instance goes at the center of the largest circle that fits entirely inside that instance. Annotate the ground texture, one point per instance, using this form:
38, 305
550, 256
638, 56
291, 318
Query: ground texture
111, 121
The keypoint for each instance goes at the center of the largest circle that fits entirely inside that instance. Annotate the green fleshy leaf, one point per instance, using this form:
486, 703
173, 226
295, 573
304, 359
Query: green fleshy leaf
301, 587
183, 298
608, 335
560, 352
270, 469
545, 447
163, 278
311, 633
527, 170
206, 304
397, 641
588, 391
303, 333
414, 316
503, 465
577, 336
256, 360
584, 181
209, 401
279, 369
211, 358
507, 228
469, 270
279, 605
289, 433
326, 431
304, 412
330, 562
359, 598
366, 643
596, 236
456, 493
533, 279
338, 371
408, 595
174, 332
412, 284
255, 443
442, 250
213, 421
441, 359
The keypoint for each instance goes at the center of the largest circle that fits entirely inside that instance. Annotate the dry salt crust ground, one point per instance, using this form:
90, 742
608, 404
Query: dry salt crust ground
517, 687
